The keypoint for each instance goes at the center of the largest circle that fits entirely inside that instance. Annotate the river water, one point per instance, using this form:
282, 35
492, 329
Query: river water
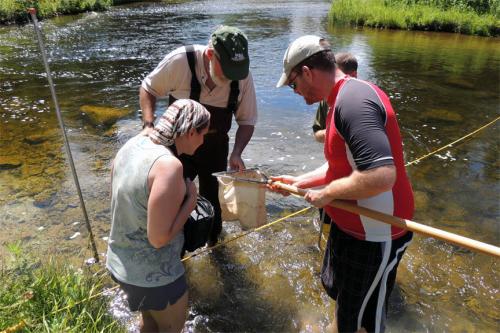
443, 86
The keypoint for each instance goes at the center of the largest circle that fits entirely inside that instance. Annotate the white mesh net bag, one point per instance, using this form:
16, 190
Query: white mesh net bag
242, 197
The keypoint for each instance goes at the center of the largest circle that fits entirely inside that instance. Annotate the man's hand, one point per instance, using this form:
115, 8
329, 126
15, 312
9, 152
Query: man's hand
318, 198
285, 179
320, 135
243, 135
147, 130
236, 162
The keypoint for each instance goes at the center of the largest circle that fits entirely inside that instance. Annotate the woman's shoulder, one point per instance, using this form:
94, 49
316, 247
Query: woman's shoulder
167, 165
167, 174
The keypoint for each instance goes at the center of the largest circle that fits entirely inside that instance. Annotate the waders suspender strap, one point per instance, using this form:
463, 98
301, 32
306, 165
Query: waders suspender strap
232, 103
195, 85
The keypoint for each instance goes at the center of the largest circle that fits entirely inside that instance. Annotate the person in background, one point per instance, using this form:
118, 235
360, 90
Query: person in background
364, 155
150, 202
217, 75
348, 64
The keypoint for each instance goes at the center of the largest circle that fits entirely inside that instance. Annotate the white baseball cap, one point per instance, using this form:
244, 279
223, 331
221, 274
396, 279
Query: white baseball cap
298, 51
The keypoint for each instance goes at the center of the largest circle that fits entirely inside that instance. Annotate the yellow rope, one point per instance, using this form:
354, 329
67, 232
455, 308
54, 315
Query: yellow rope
246, 233
15, 328
451, 144
22, 323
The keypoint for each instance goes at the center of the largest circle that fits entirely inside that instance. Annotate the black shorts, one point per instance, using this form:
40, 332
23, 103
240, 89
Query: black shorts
155, 298
360, 278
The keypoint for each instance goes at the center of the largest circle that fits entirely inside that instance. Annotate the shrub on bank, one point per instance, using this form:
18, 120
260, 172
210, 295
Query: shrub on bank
32, 294
15, 10
413, 15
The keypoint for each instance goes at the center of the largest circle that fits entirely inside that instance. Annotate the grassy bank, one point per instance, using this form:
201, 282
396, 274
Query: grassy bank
33, 294
478, 17
14, 11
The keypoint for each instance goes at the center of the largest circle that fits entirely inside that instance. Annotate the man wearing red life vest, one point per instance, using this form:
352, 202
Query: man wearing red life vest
364, 154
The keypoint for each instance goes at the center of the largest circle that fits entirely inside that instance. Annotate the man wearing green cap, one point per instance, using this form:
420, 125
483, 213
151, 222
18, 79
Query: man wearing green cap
216, 75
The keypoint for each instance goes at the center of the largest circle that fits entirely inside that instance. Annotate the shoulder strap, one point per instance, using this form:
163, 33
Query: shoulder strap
195, 85
232, 102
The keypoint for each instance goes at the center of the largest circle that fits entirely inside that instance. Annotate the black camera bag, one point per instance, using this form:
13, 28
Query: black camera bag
198, 225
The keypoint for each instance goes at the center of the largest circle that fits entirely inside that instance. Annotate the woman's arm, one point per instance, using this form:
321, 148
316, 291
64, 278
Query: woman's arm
171, 201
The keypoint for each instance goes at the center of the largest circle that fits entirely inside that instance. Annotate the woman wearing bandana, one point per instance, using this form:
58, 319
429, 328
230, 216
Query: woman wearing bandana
150, 202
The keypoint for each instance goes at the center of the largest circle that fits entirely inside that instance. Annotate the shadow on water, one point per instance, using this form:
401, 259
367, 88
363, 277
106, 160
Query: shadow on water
248, 281
228, 300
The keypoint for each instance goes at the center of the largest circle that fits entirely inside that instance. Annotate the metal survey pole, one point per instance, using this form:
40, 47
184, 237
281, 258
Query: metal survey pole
32, 12
321, 225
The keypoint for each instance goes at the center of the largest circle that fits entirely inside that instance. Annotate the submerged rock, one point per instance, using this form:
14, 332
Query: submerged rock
44, 199
99, 165
35, 139
111, 132
421, 199
460, 83
43, 136
442, 115
9, 162
33, 169
105, 116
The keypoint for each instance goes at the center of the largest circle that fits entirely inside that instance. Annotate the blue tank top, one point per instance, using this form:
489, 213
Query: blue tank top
130, 256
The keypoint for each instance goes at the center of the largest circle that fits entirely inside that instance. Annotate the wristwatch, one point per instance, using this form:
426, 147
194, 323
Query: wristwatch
147, 124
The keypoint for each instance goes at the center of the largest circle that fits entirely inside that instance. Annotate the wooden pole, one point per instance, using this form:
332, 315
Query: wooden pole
422, 229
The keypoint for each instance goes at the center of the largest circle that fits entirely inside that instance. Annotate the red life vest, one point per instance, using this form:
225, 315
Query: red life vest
397, 202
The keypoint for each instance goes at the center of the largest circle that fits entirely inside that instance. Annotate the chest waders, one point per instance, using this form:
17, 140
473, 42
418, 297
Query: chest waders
211, 156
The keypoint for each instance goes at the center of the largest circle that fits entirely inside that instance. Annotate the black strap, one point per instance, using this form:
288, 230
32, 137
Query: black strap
232, 102
195, 85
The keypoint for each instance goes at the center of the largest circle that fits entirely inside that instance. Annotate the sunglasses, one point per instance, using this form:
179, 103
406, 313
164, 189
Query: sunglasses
292, 84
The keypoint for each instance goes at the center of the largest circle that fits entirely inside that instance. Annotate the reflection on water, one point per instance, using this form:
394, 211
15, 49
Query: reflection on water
443, 86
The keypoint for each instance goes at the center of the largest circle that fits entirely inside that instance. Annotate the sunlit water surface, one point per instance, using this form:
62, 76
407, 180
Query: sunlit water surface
442, 85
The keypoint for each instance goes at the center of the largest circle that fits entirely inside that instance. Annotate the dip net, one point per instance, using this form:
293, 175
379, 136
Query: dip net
242, 196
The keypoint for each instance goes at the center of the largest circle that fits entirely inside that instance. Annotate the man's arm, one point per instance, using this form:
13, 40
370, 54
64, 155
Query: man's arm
246, 117
243, 135
148, 103
358, 185
310, 179
319, 125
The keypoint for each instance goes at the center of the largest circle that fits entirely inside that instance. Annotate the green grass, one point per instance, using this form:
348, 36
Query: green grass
32, 293
15, 10
413, 16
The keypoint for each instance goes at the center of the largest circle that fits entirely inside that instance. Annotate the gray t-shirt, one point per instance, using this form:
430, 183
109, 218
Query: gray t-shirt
130, 257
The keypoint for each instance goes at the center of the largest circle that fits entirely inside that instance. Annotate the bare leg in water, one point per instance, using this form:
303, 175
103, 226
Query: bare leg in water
148, 324
170, 319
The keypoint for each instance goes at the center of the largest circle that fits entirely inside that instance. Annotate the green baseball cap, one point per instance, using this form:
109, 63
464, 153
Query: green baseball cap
232, 48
